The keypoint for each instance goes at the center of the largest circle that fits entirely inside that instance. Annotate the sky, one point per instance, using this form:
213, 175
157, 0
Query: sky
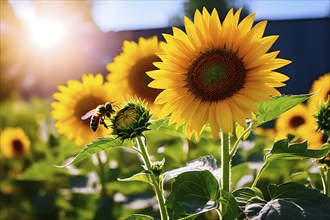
115, 15
126, 15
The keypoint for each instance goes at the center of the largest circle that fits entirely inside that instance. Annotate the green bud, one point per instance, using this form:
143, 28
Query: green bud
323, 117
131, 120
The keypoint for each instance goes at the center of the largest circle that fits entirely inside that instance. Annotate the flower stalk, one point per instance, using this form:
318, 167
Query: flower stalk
325, 177
154, 180
225, 162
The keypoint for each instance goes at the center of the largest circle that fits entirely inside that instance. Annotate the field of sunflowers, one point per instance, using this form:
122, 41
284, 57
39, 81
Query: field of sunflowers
186, 124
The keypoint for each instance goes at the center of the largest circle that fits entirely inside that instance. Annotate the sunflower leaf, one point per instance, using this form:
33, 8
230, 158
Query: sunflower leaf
139, 217
229, 206
142, 177
271, 110
290, 201
193, 193
162, 126
98, 146
203, 163
284, 150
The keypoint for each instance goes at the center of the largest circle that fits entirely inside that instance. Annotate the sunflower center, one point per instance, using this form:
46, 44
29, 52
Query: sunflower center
18, 147
215, 75
139, 80
296, 121
86, 104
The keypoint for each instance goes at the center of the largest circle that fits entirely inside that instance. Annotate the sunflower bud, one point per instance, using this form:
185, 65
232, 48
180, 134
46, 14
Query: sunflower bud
157, 167
131, 120
323, 117
325, 162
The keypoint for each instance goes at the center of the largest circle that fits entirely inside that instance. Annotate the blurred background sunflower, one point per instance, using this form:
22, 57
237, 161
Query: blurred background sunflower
128, 71
299, 122
321, 88
216, 72
74, 101
296, 120
14, 143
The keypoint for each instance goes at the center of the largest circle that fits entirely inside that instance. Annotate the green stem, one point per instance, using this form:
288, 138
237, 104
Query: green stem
235, 146
264, 166
325, 176
154, 180
102, 173
225, 162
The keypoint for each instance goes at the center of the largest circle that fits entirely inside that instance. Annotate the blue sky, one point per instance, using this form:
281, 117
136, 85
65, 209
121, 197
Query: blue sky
115, 15
125, 15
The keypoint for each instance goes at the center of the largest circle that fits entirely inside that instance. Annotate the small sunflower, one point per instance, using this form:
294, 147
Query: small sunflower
128, 71
14, 143
322, 88
74, 101
296, 121
216, 72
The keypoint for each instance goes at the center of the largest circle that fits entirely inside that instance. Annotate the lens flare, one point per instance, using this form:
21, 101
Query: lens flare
46, 33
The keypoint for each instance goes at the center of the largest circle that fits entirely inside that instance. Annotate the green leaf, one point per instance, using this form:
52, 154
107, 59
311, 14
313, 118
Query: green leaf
142, 177
247, 195
291, 201
193, 193
281, 209
280, 104
203, 163
162, 126
98, 146
139, 217
40, 170
284, 150
229, 206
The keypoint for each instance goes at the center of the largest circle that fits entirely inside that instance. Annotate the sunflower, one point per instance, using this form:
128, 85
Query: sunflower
216, 72
14, 143
128, 71
296, 121
76, 100
321, 87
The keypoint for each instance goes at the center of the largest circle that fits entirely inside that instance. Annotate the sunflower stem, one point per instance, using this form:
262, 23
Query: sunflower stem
154, 180
325, 176
240, 138
225, 162
102, 173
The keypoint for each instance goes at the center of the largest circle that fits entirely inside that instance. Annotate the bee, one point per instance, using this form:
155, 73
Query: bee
98, 115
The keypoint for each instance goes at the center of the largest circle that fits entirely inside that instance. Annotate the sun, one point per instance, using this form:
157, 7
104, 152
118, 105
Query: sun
46, 33
214, 73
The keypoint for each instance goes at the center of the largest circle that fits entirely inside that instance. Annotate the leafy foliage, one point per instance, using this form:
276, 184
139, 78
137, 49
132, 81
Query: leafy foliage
139, 217
98, 146
270, 110
193, 192
288, 201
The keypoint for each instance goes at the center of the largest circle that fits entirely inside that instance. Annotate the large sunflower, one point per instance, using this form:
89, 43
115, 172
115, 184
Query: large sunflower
14, 143
297, 121
128, 71
74, 101
216, 72
321, 87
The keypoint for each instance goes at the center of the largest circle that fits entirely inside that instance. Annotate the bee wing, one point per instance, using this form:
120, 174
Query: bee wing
88, 114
